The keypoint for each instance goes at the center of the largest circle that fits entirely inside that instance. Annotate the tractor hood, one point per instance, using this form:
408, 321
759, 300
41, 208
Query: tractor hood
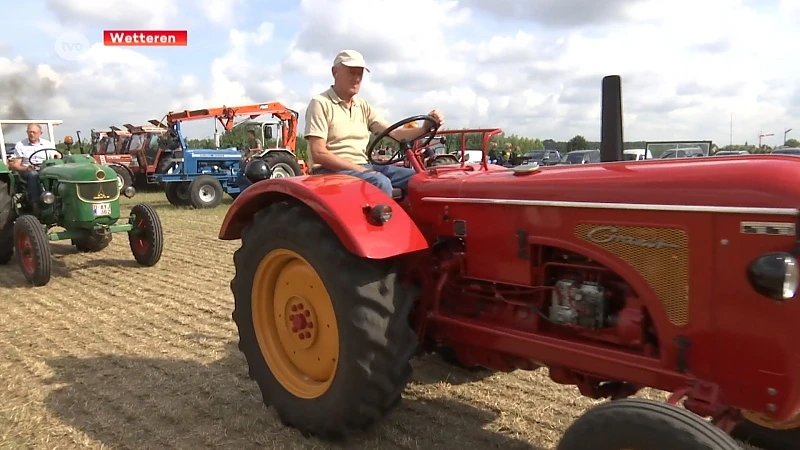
76, 172
213, 153
763, 181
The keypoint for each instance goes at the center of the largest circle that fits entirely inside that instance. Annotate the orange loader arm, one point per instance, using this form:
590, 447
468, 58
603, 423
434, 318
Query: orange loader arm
227, 114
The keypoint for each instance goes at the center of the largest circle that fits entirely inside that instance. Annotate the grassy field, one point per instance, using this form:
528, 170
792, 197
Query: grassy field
112, 355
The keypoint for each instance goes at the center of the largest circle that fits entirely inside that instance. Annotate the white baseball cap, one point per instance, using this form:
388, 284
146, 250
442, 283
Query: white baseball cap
351, 58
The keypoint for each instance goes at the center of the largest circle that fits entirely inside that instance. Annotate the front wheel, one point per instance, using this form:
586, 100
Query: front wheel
205, 191
147, 237
33, 250
329, 348
638, 424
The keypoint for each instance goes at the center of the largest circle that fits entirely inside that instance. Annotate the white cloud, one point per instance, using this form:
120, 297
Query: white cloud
534, 71
221, 12
151, 14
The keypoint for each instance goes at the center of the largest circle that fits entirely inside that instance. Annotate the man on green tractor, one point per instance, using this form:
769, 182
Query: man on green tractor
20, 161
338, 124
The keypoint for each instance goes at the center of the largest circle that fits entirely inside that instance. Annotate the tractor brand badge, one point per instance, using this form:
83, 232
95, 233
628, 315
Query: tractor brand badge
100, 194
263, 106
609, 234
771, 228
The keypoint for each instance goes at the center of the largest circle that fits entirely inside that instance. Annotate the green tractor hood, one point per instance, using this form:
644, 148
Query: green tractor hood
76, 169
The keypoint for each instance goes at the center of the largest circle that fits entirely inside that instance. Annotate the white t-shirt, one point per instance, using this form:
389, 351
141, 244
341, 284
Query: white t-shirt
24, 149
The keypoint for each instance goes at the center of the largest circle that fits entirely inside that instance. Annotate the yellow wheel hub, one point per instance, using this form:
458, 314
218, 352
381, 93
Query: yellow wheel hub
766, 422
295, 324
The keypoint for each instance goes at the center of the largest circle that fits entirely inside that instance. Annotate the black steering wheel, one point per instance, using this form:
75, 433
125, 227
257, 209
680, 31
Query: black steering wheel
404, 145
36, 166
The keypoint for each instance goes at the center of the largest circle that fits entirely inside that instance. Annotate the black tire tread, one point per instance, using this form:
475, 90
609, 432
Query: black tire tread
377, 308
127, 178
171, 192
274, 158
659, 425
155, 235
31, 226
194, 192
766, 438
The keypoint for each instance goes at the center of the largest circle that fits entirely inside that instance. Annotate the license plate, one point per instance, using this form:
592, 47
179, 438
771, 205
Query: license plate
101, 209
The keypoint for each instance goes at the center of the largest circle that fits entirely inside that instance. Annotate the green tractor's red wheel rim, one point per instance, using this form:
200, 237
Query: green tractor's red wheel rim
26, 254
140, 243
295, 324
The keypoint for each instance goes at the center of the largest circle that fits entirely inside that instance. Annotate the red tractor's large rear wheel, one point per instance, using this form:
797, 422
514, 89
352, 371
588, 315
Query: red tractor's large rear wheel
326, 334
758, 430
639, 424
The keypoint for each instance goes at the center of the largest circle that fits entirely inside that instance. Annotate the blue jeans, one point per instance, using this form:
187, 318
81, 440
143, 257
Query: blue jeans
388, 177
31, 177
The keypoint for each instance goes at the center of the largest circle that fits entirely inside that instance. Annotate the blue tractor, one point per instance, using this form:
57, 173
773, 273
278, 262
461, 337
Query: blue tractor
201, 177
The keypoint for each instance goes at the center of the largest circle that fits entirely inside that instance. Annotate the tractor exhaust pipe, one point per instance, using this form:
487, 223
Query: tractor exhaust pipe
611, 120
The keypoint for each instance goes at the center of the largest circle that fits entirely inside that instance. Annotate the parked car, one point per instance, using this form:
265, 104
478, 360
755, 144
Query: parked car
683, 153
731, 152
542, 157
636, 154
581, 157
787, 151
471, 155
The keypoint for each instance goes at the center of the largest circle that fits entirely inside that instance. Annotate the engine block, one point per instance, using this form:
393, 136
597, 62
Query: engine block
578, 303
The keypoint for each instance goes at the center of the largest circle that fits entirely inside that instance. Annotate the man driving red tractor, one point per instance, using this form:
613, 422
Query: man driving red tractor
338, 124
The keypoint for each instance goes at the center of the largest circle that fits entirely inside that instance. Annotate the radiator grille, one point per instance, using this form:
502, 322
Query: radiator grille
659, 255
99, 192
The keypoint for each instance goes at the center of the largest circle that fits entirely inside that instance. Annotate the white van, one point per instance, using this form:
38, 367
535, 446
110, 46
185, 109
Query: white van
636, 154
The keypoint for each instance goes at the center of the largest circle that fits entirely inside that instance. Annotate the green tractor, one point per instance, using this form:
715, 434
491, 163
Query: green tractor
79, 196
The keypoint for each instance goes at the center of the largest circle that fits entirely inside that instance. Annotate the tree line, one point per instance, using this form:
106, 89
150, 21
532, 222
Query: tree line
519, 144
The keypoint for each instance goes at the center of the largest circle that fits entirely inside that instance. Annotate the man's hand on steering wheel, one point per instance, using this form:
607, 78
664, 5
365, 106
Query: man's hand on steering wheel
36, 165
438, 117
430, 127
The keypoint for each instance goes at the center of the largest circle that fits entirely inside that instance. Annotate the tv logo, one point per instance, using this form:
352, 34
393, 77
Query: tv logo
71, 45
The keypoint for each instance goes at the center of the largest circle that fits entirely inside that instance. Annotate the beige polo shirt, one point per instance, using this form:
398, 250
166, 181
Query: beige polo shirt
345, 130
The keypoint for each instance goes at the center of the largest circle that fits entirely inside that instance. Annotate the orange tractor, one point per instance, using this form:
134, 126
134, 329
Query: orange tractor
136, 153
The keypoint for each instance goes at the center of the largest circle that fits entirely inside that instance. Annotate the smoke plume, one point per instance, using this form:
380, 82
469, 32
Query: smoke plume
18, 90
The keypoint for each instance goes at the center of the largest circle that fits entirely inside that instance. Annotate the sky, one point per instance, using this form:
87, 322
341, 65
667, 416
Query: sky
531, 67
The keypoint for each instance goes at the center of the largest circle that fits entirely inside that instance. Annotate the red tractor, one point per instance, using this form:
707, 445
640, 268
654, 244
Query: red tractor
679, 275
107, 149
136, 153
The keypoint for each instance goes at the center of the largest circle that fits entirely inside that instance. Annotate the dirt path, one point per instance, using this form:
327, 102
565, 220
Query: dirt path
112, 355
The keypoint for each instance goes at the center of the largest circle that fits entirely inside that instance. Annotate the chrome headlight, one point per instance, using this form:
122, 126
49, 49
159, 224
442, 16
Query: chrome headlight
775, 275
129, 191
48, 198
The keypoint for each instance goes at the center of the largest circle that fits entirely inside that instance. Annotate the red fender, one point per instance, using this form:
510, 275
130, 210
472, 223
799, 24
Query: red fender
338, 200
